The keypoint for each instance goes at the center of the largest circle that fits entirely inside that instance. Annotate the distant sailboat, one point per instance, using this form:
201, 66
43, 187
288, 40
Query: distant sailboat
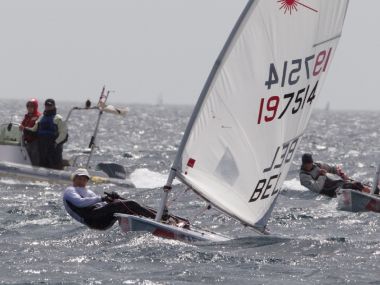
327, 107
160, 100
250, 117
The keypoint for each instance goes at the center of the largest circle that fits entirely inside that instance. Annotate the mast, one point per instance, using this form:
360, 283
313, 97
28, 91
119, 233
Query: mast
102, 101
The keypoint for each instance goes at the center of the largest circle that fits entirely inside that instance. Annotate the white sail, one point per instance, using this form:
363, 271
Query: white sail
256, 104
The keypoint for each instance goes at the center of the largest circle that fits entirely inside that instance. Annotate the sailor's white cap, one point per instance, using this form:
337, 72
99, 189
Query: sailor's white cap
80, 172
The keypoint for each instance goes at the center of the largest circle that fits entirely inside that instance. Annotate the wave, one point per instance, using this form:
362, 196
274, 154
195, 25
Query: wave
145, 178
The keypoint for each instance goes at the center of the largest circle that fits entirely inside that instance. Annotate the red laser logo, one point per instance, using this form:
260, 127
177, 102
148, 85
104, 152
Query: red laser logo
292, 6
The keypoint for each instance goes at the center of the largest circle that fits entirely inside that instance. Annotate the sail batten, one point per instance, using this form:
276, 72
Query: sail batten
255, 105
328, 40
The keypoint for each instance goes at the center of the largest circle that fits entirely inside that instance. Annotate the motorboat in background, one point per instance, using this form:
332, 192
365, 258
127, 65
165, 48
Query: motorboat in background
15, 161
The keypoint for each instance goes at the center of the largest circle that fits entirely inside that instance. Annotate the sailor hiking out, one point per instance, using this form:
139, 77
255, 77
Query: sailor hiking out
94, 211
317, 178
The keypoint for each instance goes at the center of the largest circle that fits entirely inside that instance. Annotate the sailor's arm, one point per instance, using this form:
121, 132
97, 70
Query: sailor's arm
334, 169
329, 168
313, 185
62, 129
74, 198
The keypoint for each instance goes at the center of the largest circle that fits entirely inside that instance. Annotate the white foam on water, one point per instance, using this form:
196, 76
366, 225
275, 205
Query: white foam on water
10, 181
320, 147
145, 178
353, 153
332, 149
293, 184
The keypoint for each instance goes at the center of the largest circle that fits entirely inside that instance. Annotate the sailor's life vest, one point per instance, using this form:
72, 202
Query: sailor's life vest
77, 213
47, 128
30, 120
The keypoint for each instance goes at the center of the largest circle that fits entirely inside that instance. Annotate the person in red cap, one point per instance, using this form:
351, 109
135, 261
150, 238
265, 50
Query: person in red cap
29, 137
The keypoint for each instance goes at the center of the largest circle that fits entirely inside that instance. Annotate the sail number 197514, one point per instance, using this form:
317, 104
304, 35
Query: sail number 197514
294, 102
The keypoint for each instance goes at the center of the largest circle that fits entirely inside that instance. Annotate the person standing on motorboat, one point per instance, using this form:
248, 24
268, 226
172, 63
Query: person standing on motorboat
29, 137
51, 132
95, 211
315, 177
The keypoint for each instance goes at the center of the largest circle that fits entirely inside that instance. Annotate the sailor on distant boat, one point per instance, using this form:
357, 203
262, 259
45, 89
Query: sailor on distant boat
94, 211
29, 137
314, 176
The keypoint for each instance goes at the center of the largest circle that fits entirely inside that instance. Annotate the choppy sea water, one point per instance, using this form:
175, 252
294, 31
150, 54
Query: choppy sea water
312, 242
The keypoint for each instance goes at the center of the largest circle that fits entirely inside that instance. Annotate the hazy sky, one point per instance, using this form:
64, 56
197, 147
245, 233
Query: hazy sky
68, 49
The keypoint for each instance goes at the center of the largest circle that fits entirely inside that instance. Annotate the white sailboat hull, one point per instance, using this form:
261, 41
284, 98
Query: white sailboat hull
355, 201
130, 223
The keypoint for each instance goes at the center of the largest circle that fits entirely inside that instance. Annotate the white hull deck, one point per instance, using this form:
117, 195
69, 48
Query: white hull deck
130, 223
11, 149
14, 154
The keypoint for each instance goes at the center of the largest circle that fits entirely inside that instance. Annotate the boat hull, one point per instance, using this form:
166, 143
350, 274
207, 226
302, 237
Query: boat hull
11, 148
130, 223
355, 201
41, 173
14, 153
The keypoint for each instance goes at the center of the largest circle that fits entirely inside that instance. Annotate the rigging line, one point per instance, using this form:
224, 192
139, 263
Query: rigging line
201, 212
177, 196
123, 202
23, 150
328, 40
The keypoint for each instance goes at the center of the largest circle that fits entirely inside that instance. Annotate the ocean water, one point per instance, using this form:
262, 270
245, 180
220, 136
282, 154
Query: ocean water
311, 242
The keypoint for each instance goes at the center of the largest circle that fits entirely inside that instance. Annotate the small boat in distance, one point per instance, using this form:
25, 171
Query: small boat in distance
251, 114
